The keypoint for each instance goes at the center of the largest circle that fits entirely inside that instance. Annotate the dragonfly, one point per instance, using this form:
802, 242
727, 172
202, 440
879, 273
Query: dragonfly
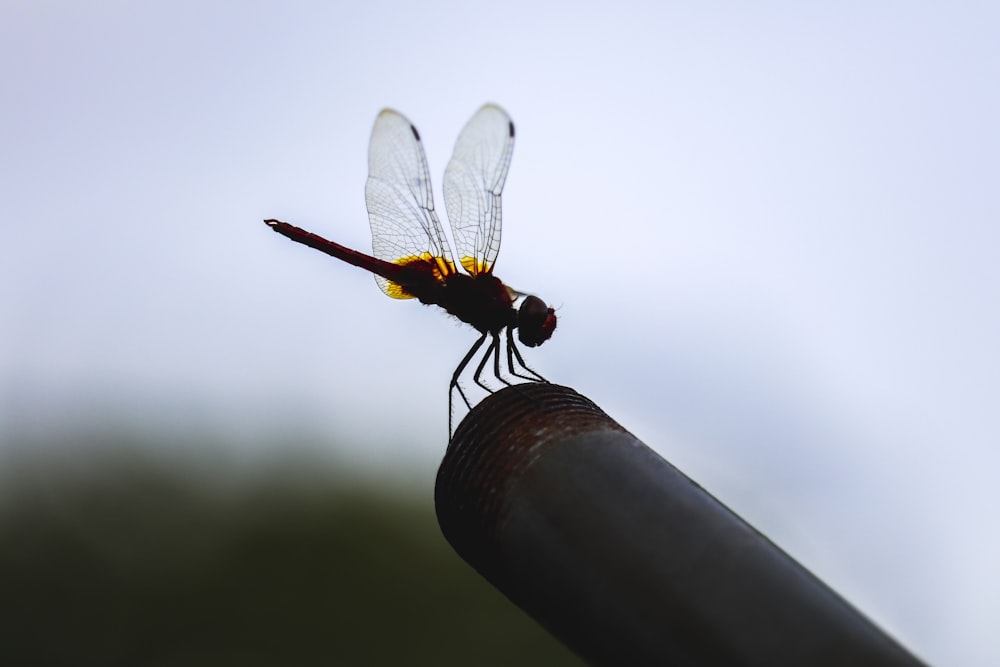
411, 256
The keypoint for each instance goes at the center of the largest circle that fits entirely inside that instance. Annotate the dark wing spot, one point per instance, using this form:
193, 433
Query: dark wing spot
416, 134
511, 128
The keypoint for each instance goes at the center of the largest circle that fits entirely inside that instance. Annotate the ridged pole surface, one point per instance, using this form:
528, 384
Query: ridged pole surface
622, 557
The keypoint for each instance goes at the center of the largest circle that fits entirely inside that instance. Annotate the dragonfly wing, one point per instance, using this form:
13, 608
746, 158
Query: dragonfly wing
398, 194
473, 183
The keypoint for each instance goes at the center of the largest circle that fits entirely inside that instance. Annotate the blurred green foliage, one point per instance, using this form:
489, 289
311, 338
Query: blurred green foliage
112, 558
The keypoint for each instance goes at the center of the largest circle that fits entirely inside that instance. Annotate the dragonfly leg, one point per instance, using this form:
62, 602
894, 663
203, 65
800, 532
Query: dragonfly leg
496, 362
513, 352
455, 383
494, 351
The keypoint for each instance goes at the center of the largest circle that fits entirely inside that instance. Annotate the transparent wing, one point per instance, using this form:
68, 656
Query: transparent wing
473, 183
398, 193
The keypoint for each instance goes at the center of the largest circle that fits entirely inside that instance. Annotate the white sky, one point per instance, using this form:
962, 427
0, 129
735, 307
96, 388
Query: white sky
772, 233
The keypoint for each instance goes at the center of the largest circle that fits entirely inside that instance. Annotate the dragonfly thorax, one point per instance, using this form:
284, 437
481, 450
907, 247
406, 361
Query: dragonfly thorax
481, 300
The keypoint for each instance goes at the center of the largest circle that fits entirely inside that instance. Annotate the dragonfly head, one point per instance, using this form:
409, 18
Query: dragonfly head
535, 321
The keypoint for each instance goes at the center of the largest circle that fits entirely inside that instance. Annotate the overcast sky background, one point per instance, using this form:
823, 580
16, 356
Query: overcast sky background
772, 233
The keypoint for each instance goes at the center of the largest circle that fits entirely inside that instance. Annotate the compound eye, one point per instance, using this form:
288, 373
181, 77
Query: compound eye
535, 322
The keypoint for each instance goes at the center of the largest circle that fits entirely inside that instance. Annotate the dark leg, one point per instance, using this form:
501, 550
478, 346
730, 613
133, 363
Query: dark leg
494, 350
496, 363
513, 352
454, 380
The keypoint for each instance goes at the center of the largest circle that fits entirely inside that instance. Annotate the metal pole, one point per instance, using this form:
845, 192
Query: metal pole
622, 557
